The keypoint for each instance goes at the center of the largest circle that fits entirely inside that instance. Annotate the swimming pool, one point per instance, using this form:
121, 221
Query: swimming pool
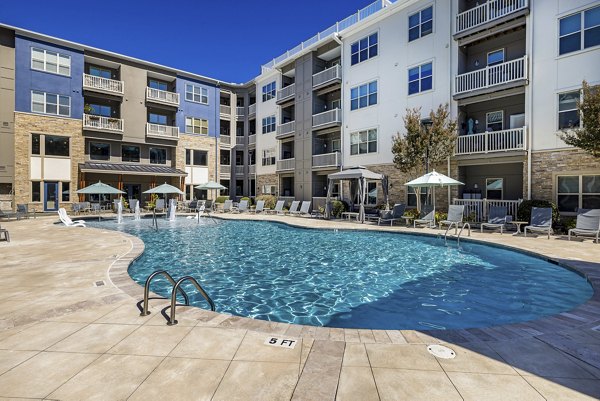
353, 279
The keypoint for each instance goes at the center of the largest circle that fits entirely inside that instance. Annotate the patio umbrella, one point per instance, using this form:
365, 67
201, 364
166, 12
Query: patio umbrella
99, 189
163, 189
432, 180
210, 185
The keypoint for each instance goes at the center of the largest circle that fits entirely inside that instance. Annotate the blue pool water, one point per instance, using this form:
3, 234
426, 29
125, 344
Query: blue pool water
353, 279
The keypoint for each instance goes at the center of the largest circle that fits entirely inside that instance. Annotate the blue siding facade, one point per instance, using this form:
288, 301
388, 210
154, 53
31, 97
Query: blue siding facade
208, 111
27, 79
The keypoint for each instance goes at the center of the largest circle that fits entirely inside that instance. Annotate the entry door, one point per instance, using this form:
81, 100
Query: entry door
134, 191
50, 196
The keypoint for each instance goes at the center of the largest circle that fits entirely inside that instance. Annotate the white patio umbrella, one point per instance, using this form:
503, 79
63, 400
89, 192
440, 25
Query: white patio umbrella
99, 189
164, 189
432, 180
211, 185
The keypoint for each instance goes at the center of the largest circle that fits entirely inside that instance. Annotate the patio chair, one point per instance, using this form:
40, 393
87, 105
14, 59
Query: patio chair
304, 209
427, 217
85, 207
496, 218
391, 216
278, 208
192, 206
294, 207
260, 207
541, 220
227, 206
208, 205
159, 205
96, 208
22, 211
4, 231
7, 215
242, 207
588, 224
455, 217
66, 220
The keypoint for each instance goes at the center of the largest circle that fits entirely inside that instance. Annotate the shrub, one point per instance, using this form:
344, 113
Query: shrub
247, 199
338, 207
221, 199
152, 202
524, 211
124, 202
440, 216
270, 200
413, 213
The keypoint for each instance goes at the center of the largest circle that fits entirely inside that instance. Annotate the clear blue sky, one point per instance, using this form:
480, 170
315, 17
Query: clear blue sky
227, 40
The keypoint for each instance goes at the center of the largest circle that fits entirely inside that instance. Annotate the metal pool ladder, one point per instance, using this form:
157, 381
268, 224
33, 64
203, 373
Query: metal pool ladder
176, 287
456, 230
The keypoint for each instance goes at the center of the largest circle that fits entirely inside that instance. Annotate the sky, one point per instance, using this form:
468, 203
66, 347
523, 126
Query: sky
225, 40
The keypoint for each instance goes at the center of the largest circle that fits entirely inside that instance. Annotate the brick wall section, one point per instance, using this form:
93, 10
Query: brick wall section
266, 179
199, 143
25, 125
544, 165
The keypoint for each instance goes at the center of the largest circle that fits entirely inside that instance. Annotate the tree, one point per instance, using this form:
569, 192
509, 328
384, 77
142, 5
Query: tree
587, 137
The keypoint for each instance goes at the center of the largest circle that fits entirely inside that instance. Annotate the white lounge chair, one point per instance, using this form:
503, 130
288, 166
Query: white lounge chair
427, 217
242, 207
227, 206
159, 205
541, 221
278, 208
294, 207
588, 224
304, 209
455, 217
260, 206
66, 220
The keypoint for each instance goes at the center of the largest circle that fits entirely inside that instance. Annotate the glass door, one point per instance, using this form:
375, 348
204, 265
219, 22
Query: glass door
50, 196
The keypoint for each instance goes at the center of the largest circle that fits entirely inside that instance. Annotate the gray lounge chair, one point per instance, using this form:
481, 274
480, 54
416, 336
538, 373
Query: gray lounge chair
304, 209
588, 224
23, 211
208, 205
260, 207
496, 218
541, 220
193, 206
391, 216
294, 207
6, 234
278, 208
455, 217
427, 217
242, 207
227, 206
7, 215
160, 205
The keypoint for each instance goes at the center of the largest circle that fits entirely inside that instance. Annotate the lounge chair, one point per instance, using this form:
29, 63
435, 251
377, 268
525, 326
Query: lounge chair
227, 206
23, 211
387, 216
294, 207
427, 217
496, 218
132, 204
192, 206
588, 224
455, 217
260, 207
304, 209
159, 205
278, 208
7, 215
242, 207
66, 220
541, 220
6, 234
208, 205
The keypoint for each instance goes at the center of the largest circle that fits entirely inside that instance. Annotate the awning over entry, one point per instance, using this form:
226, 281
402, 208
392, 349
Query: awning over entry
134, 169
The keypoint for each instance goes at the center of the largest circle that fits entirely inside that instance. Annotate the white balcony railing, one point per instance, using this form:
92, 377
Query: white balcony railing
286, 129
489, 11
162, 131
161, 96
286, 164
327, 160
494, 141
99, 123
252, 169
239, 170
224, 109
333, 116
498, 74
251, 139
478, 209
240, 111
327, 76
103, 84
286, 93
252, 109
225, 169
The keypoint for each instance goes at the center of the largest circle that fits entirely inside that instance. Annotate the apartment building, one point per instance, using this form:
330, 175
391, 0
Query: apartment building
510, 71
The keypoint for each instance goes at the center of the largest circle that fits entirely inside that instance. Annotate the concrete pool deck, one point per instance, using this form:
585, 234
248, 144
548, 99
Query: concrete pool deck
70, 329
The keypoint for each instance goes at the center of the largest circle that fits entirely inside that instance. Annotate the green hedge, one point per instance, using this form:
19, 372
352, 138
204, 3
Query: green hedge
221, 199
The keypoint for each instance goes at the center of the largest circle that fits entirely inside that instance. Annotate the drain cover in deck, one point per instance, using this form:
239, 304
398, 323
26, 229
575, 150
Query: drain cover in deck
441, 352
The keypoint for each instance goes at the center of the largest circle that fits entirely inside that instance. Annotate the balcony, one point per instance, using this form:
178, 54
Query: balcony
240, 111
327, 119
511, 73
286, 94
488, 15
330, 76
103, 85
286, 165
239, 170
491, 142
162, 97
252, 140
162, 131
252, 169
106, 124
252, 110
225, 140
286, 130
327, 160
225, 110
225, 169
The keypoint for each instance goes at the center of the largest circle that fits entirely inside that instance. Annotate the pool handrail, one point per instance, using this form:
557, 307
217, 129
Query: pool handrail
145, 311
172, 321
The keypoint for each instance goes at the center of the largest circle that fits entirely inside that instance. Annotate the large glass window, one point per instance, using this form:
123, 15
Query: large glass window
100, 110
155, 84
66, 193
188, 157
35, 144
578, 191
371, 193
53, 62
130, 153
364, 49
196, 126
268, 124
35, 191
49, 103
494, 188
56, 145
495, 57
200, 158
99, 151
100, 72
268, 157
195, 93
420, 24
571, 37
158, 156
494, 121
362, 142
268, 91
568, 115
420, 79
154, 118
363, 96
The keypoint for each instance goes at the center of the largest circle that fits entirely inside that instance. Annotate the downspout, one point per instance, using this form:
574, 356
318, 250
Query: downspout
530, 105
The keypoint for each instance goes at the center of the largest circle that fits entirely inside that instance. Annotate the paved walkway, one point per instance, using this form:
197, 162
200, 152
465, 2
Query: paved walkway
70, 329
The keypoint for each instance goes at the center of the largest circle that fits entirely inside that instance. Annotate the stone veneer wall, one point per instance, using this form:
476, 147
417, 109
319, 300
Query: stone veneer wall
266, 179
197, 142
546, 165
25, 125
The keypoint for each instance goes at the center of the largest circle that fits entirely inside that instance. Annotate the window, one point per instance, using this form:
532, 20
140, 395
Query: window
269, 189
420, 24
100, 72
363, 142
336, 145
200, 158
268, 158
194, 93
420, 79
571, 37
196, 126
494, 121
99, 151
154, 118
35, 191
494, 188
363, 49
363, 96
130, 153
188, 157
155, 84
568, 115
495, 57
6, 188
268, 124
35, 144
66, 194
158, 156
48, 103
578, 191
371, 193
100, 110
55, 63
225, 157
56, 145
268, 91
